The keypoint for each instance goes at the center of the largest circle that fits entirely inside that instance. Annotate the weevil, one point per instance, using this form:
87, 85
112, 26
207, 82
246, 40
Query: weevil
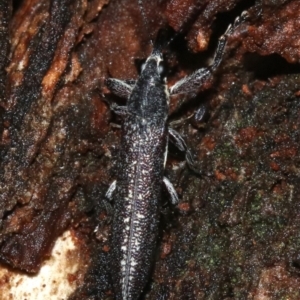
141, 163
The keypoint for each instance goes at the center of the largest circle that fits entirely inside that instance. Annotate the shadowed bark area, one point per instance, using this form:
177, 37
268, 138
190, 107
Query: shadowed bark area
236, 232
47, 124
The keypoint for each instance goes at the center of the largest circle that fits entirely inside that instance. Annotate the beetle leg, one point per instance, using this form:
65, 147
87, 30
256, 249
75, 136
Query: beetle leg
180, 122
198, 114
191, 83
171, 190
118, 110
111, 190
179, 142
120, 88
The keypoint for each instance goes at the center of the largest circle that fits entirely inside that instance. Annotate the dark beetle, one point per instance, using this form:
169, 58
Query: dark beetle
144, 143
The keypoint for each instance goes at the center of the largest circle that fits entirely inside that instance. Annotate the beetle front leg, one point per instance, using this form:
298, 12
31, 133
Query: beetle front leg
193, 82
120, 88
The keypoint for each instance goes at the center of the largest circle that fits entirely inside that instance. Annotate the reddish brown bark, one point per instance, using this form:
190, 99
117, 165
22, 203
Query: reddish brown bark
236, 228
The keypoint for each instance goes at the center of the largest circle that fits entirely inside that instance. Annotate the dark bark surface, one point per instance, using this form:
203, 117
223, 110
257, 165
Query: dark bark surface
236, 232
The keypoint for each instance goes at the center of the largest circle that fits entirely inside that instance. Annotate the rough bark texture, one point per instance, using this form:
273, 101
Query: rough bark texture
236, 232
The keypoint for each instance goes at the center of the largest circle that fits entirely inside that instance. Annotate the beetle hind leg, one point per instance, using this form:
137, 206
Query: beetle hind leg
179, 142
